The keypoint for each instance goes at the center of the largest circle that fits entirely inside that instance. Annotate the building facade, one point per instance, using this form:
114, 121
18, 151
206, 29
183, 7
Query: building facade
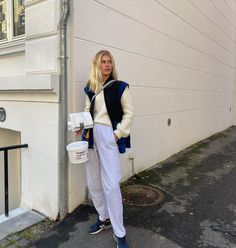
178, 57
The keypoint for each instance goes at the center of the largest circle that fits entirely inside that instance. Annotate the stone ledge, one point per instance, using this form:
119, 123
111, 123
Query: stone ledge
37, 82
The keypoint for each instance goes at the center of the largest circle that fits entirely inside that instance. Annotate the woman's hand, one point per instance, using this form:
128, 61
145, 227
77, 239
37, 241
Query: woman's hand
79, 132
116, 137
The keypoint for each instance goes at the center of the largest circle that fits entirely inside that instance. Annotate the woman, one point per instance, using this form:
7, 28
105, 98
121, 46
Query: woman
112, 113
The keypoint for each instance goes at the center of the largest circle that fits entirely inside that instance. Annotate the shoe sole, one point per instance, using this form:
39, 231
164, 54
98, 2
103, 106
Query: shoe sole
115, 239
102, 229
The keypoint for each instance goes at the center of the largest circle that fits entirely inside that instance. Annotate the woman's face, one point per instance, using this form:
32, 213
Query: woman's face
106, 66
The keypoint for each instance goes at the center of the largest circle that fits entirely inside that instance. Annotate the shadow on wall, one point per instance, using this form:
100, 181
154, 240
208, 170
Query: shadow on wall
8, 138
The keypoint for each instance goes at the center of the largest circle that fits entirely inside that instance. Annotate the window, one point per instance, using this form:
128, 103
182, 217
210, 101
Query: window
12, 20
19, 17
3, 21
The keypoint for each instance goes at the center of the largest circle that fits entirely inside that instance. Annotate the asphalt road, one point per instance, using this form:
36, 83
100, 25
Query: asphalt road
199, 209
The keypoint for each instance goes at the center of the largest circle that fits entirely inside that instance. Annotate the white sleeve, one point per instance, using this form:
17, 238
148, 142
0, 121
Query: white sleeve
87, 104
124, 127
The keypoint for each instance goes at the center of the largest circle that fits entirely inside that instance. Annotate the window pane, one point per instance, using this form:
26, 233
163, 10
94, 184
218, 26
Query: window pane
19, 17
3, 22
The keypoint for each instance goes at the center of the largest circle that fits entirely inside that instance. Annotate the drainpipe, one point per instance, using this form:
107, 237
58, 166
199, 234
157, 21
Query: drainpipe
63, 159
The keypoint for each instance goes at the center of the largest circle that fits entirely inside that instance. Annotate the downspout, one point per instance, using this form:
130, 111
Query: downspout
63, 159
234, 88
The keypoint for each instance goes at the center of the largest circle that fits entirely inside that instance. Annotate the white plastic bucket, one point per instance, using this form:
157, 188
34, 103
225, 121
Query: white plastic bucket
78, 152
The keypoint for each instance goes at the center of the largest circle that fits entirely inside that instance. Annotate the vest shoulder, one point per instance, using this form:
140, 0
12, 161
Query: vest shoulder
87, 90
119, 84
122, 83
118, 87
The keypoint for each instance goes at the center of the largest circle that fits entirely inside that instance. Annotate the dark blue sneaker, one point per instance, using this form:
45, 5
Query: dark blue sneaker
121, 242
99, 226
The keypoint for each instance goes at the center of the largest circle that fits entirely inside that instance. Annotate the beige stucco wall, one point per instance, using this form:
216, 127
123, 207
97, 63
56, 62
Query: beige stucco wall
177, 56
234, 91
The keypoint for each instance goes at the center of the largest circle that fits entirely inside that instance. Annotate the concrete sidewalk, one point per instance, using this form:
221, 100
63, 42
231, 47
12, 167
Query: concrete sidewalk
199, 188
19, 222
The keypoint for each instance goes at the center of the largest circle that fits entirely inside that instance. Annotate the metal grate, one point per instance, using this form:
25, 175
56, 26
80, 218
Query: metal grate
142, 195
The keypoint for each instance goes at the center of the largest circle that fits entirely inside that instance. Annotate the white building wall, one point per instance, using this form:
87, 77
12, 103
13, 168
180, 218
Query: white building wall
42, 48
177, 56
29, 81
12, 65
232, 5
39, 170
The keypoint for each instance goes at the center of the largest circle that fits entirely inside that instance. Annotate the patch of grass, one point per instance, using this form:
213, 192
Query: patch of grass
11, 242
28, 234
35, 231
8, 243
198, 146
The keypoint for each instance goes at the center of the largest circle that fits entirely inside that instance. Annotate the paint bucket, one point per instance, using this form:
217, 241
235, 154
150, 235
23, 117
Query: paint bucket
78, 152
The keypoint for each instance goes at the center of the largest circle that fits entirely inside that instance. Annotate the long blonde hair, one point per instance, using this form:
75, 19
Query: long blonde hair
95, 81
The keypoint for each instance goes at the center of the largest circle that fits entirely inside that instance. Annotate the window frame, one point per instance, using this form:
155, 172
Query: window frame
10, 25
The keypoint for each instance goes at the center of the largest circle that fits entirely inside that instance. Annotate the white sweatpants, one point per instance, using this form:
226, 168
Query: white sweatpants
103, 177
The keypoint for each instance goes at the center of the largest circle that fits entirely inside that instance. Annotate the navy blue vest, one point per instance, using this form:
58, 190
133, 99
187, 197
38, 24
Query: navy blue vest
112, 96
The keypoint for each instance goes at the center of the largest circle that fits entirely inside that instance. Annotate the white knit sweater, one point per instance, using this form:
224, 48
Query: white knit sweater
101, 115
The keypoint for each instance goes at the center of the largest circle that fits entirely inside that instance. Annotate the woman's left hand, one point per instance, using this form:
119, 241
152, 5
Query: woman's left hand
116, 137
79, 132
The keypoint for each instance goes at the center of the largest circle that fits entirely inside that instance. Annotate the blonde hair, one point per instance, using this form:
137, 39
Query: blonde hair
95, 81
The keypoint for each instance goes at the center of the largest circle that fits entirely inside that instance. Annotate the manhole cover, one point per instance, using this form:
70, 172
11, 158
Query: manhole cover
141, 195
